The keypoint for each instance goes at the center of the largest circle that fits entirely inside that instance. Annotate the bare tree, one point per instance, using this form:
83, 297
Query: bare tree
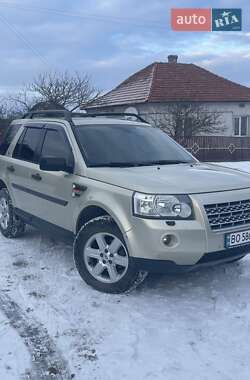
70, 91
22, 102
187, 120
6, 111
6, 116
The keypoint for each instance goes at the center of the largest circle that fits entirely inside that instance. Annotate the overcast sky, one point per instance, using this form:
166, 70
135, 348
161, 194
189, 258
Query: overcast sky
111, 39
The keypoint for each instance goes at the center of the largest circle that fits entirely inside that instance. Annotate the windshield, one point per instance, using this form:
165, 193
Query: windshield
128, 145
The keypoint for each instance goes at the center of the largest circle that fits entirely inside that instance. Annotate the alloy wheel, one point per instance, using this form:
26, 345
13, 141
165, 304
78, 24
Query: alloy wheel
106, 257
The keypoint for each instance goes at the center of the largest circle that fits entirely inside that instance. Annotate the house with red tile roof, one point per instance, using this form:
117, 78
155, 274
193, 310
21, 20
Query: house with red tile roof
149, 91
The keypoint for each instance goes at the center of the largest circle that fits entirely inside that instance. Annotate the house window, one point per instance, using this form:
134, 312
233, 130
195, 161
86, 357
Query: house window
241, 126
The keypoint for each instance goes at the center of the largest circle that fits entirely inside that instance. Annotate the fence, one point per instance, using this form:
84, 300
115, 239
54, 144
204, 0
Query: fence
217, 148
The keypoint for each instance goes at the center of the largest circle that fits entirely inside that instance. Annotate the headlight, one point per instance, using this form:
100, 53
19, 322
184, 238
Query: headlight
162, 206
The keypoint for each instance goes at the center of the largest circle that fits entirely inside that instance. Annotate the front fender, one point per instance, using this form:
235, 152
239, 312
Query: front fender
117, 204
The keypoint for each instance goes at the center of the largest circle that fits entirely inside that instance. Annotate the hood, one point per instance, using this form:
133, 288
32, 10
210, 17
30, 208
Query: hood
173, 179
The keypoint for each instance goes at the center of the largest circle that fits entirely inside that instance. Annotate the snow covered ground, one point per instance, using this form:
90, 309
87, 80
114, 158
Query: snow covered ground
53, 326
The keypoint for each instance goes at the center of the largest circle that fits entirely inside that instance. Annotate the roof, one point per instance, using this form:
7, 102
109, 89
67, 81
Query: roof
170, 82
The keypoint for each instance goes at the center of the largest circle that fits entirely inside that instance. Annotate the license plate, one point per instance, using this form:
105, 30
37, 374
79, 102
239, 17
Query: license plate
237, 238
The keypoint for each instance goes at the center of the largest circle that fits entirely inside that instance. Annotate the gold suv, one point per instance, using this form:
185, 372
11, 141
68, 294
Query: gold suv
133, 199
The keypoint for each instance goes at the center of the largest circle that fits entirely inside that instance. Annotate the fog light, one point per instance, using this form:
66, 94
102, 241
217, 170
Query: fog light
170, 240
167, 239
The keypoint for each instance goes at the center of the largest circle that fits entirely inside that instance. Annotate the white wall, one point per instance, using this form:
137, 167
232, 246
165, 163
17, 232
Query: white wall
227, 110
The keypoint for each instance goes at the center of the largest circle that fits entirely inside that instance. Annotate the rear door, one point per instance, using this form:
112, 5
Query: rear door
6, 146
23, 166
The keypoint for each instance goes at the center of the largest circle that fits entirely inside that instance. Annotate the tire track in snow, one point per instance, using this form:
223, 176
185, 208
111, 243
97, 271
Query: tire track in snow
47, 362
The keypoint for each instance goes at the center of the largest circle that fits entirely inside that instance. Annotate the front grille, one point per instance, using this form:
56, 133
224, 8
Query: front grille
230, 214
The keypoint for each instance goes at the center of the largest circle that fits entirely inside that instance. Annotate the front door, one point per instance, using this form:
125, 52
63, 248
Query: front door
55, 203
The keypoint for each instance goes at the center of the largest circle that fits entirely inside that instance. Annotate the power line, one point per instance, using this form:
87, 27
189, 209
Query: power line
26, 42
89, 16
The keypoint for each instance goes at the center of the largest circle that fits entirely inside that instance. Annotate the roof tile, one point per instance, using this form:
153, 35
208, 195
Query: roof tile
168, 82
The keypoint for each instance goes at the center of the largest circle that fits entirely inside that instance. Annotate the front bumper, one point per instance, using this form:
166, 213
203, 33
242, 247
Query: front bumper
209, 259
193, 239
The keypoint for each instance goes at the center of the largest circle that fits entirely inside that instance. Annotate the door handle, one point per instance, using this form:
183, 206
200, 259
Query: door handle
36, 177
11, 169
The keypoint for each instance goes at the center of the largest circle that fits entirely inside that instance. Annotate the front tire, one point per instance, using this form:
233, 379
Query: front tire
102, 259
10, 225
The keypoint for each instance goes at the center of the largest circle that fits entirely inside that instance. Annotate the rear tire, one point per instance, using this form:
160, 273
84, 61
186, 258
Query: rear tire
11, 226
102, 259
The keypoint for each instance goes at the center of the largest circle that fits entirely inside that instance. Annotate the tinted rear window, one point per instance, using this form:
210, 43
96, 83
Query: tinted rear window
8, 138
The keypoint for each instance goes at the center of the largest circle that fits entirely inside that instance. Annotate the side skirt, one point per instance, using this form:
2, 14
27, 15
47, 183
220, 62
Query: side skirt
44, 226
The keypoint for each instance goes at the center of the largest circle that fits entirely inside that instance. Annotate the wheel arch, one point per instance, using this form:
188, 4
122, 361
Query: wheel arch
94, 211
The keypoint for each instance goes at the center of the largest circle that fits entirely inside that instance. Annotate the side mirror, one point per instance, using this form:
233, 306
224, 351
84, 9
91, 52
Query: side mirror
54, 164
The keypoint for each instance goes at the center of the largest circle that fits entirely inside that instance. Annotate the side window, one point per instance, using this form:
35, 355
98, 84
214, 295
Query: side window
56, 145
27, 151
16, 152
9, 136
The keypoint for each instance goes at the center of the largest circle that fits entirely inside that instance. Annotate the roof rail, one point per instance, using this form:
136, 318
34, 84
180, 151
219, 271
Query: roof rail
68, 115
47, 114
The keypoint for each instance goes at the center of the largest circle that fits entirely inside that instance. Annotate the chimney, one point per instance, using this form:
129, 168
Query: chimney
172, 58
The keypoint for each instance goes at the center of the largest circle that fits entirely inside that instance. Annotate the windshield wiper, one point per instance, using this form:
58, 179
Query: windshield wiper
115, 165
136, 164
164, 162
